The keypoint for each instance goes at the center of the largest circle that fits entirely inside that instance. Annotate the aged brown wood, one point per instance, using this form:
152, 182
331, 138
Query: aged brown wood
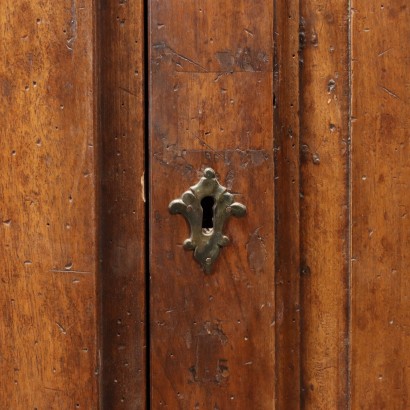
48, 246
123, 203
324, 203
380, 205
270, 327
287, 185
211, 104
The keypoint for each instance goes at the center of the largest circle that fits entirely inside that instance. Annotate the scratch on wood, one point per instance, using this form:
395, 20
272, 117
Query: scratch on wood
61, 327
73, 27
166, 47
128, 91
384, 52
203, 143
143, 186
50, 388
391, 93
67, 271
256, 250
219, 76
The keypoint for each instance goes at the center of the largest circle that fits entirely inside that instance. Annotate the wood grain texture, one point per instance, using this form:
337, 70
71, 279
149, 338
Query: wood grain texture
324, 203
48, 247
123, 204
380, 205
211, 104
287, 185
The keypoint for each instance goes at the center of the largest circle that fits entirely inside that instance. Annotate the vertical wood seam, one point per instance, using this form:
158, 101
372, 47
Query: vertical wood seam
98, 143
349, 209
274, 125
147, 192
300, 101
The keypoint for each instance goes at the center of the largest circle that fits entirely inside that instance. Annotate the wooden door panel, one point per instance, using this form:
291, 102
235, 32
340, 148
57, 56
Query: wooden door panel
306, 307
232, 36
324, 204
380, 204
48, 257
211, 104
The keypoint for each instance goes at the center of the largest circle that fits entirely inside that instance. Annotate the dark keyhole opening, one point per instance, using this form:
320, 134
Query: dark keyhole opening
207, 204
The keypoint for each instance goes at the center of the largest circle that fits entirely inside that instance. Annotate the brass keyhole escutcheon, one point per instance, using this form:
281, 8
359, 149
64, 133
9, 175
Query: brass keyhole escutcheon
207, 206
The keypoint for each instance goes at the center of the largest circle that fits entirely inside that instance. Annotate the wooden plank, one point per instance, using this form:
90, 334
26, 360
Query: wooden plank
48, 246
212, 337
287, 185
324, 203
380, 205
123, 204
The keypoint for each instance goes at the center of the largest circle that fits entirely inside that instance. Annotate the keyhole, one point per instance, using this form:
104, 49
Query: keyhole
207, 204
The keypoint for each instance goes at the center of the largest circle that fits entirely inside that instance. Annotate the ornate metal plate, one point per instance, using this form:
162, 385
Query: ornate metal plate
207, 238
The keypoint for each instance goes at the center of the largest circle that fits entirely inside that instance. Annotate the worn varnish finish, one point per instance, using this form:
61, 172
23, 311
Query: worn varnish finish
48, 185
122, 204
380, 205
287, 185
211, 104
324, 203
279, 324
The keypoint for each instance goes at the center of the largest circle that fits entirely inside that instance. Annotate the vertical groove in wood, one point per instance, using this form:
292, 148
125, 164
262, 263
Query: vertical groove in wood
123, 204
350, 227
324, 203
48, 217
381, 205
287, 168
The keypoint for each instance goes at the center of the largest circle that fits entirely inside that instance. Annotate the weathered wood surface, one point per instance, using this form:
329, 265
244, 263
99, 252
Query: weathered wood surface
287, 205
324, 203
270, 328
380, 205
211, 104
48, 245
123, 204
